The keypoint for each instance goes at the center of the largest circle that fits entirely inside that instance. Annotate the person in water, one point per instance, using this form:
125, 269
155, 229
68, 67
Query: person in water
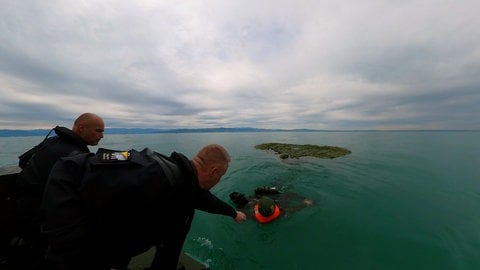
269, 203
266, 210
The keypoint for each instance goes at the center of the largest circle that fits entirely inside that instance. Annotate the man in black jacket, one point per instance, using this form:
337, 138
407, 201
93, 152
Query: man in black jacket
87, 129
101, 210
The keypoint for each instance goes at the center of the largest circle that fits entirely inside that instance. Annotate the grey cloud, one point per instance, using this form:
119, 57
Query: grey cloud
329, 65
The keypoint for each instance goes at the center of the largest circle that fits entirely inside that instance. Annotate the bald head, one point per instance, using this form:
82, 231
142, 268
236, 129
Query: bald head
211, 163
89, 127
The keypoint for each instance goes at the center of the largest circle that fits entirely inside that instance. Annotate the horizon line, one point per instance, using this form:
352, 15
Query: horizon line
234, 129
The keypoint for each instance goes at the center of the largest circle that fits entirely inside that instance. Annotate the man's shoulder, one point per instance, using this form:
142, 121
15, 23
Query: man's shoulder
61, 147
69, 137
182, 161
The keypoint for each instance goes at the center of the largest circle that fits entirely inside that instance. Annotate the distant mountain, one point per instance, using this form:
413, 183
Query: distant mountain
22, 133
222, 129
44, 132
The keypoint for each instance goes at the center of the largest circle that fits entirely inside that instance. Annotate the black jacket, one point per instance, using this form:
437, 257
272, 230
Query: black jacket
30, 182
32, 178
120, 209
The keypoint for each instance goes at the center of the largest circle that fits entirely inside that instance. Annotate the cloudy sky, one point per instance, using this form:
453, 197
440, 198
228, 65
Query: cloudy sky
337, 64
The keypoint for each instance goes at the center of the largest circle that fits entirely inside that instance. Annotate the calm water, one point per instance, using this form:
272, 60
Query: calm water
401, 200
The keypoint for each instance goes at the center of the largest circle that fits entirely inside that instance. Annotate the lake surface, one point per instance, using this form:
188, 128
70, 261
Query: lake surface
400, 200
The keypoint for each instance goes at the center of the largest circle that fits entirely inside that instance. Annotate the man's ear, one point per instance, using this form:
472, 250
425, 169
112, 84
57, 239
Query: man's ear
213, 170
81, 128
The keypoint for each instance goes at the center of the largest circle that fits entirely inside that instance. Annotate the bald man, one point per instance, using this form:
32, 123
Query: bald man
89, 127
87, 130
128, 201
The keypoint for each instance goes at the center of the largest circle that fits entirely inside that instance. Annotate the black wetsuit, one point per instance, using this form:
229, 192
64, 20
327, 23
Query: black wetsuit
29, 189
288, 201
100, 215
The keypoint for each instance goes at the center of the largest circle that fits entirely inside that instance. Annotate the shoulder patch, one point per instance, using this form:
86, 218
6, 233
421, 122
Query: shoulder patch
109, 155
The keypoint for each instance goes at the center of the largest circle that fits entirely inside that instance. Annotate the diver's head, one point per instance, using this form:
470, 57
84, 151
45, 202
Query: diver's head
266, 206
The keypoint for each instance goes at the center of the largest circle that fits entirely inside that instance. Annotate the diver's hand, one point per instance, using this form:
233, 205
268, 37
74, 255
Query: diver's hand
241, 217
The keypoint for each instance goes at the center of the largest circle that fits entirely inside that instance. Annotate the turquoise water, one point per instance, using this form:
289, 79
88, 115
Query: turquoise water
401, 200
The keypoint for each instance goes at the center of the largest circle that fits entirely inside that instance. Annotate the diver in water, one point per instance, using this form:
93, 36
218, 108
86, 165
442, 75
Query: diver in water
269, 203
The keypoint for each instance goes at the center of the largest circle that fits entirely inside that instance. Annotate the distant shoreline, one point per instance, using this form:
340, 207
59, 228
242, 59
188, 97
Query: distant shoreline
119, 131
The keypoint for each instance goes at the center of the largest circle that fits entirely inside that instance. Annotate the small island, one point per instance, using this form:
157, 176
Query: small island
286, 150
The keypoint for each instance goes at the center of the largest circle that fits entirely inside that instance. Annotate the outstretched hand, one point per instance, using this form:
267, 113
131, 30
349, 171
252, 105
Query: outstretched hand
241, 217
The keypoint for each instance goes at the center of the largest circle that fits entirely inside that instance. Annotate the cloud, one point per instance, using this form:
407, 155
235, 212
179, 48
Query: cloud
268, 64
